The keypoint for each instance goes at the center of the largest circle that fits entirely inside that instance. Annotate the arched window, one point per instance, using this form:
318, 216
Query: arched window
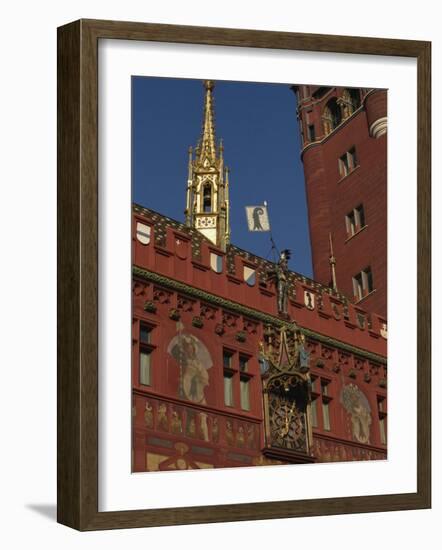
355, 95
207, 198
350, 101
331, 116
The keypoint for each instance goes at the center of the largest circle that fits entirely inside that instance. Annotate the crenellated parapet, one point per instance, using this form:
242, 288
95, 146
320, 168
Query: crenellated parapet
181, 258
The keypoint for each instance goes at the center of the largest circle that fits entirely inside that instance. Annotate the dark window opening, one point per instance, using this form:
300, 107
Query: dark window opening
243, 363
362, 284
331, 116
227, 359
335, 111
355, 98
355, 220
145, 334
347, 162
207, 198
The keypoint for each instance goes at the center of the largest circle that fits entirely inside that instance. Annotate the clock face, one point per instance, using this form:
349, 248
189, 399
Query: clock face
287, 423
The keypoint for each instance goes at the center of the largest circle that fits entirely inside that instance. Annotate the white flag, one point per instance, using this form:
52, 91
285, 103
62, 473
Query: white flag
258, 218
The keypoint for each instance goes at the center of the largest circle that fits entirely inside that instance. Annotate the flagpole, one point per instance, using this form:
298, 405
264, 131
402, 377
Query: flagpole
332, 261
274, 247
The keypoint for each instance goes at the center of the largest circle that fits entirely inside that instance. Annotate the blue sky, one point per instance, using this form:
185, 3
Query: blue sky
258, 125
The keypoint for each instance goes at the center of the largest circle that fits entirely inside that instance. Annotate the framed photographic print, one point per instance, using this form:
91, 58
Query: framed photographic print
244, 275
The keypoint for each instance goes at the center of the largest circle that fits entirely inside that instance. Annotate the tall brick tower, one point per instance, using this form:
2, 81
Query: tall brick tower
344, 152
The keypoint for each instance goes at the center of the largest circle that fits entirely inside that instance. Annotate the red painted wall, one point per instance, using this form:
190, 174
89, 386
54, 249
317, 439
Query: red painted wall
222, 435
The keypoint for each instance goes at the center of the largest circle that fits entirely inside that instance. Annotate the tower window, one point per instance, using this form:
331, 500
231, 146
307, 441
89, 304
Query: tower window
331, 116
207, 198
351, 100
355, 221
311, 132
348, 162
355, 96
301, 131
362, 284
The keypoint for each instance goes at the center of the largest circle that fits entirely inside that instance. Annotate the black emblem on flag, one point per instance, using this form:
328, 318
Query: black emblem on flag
257, 213
258, 218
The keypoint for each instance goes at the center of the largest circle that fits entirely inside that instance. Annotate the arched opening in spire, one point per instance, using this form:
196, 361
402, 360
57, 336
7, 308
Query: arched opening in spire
207, 198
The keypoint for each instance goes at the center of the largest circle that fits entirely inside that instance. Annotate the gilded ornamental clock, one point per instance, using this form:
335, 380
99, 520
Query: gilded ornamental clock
286, 395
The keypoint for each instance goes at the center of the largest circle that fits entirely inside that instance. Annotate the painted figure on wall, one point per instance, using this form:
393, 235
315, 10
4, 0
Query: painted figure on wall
262, 360
304, 355
194, 361
357, 405
176, 423
148, 415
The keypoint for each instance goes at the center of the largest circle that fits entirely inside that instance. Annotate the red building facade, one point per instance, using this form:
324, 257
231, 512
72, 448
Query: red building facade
344, 152
221, 376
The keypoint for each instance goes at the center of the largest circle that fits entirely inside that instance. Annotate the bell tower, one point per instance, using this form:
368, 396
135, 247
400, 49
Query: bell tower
207, 201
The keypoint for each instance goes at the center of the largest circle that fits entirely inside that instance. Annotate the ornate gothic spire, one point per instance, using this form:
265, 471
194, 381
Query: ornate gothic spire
207, 204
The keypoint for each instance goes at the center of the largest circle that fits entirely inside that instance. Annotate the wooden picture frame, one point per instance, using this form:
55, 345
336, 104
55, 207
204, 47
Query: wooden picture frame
78, 274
